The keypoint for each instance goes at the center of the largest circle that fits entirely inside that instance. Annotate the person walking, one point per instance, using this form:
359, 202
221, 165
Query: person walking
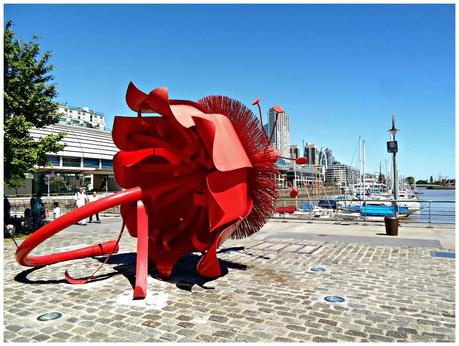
6, 210
94, 197
36, 205
56, 210
80, 200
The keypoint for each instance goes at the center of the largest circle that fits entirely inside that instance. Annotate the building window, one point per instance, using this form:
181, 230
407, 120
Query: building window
71, 161
91, 163
107, 164
54, 160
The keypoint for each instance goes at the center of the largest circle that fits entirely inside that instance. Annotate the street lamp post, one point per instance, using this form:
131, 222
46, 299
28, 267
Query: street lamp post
392, 147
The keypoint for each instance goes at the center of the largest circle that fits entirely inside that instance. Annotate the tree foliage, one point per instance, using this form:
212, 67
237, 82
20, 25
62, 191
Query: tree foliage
410, 180
28, 102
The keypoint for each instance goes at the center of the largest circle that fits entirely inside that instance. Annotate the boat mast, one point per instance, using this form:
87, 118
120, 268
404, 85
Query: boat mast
363, 170
360, 166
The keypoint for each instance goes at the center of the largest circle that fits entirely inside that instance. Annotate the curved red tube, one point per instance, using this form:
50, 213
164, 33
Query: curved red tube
67, 220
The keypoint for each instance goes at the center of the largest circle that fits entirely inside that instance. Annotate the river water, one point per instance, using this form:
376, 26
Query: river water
441, 211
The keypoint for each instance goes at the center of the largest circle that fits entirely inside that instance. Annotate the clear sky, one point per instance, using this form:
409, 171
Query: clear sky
338, 70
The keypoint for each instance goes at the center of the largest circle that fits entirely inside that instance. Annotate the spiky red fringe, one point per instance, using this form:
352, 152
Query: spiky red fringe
261, 181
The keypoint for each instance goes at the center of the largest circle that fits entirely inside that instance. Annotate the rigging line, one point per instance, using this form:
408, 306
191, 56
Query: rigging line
353, 155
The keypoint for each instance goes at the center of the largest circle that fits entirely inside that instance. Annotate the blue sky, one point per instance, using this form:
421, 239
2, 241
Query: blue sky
338, 70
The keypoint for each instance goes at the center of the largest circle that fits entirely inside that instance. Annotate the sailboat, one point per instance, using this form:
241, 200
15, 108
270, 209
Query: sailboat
376, 199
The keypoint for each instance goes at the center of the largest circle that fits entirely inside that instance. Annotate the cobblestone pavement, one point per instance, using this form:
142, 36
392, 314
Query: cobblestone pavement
391, 294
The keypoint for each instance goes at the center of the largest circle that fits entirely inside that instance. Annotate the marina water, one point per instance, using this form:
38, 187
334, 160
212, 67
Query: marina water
441, 212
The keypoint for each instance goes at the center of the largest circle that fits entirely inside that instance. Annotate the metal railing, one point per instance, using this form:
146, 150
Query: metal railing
66, 204
430, 211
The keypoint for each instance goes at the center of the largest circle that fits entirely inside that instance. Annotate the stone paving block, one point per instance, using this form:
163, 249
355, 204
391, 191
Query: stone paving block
21, 339
300, 336
217, 318
62, 336
282, 339
97, 336
322, 339
375, 337
168, 336
240, 337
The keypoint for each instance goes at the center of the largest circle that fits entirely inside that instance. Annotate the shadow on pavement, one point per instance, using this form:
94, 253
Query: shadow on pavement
22, 277
184, 275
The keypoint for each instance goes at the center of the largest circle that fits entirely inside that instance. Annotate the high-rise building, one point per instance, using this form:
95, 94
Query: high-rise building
281, 136
294, 151
311, 153
329, 157
266, 128
341, 175
322, 158
83, 117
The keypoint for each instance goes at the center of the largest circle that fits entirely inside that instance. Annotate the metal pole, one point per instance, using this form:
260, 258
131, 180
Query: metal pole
394, 158
360, 168
393, 132
294, 183
363, 172
430, 209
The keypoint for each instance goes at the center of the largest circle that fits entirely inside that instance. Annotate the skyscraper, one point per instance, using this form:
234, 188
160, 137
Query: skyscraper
311, 153
281, 136
294, 151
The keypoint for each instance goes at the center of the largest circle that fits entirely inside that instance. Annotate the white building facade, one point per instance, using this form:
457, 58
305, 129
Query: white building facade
82, 117
342, 175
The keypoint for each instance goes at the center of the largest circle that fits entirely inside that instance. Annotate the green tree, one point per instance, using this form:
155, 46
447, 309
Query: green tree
409, 180
28, 102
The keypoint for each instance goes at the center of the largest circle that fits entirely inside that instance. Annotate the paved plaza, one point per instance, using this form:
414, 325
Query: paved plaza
394, 289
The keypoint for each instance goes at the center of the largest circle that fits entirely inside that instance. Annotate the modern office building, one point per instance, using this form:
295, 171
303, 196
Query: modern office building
86, 160
299, 175
294, 151
330, 159
311, 153
326, 158
342, 175
281, 136
82, 117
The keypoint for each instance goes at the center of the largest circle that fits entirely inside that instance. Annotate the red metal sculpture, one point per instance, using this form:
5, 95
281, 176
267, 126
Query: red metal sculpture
193, 177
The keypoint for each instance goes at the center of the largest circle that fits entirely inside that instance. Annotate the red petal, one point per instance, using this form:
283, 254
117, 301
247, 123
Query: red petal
222, 142
228, 198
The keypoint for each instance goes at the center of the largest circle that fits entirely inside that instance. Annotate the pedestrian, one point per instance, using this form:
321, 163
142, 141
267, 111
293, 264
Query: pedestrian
27, 225
6, 210
80, 201
36, 205
56, 210
94, 197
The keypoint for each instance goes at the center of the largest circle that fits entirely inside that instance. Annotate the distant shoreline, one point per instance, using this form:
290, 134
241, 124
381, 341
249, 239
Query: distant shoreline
435, 187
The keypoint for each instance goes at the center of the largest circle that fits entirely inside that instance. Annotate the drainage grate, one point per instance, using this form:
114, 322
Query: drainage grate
49, 316
285, 247
443, 254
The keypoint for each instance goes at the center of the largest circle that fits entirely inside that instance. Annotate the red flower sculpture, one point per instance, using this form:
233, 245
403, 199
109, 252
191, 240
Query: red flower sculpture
199, 173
